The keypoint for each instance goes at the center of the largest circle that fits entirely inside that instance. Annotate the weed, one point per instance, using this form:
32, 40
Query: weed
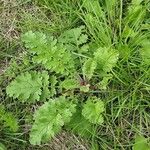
80, 67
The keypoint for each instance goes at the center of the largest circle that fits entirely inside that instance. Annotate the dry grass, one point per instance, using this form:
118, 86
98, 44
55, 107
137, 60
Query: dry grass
8, 21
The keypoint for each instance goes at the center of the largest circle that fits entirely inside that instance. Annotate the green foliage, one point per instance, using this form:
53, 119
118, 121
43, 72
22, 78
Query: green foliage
103, 84
106, 59
45, 86
102, 64
79, 125
53, 82
141, 143
93, 109
89, 68
136, 2
74, 39
69, 84
135, 14
85, 88
8, 120
2, 147
62, 58
68, 74
29, 87
50, 118
145, 52
34, 41
94, 17
49, 52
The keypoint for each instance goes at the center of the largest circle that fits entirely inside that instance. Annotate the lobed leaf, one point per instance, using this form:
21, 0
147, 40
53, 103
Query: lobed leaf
53, 82
79, 125
29, 87
93, 109
50, 118
48, 52
74, 39
106, 59
34, 40
89, 68
69, 84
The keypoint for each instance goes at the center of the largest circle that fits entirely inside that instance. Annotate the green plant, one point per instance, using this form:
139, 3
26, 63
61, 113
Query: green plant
31, 86
50, 118
86, 70
62, 61
2, 147
92, 110
7, 120
141, 143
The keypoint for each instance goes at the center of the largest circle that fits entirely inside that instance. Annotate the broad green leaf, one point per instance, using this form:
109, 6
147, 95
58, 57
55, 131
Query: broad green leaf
50, 118
89, 68
106, 59
74, 39
73, 36
85, 88
141, 143
28, 87
48, 52
103, 84
84, 48
45, 89
93, 109
82, 39
34, 41
69, 84
53, 82
79, 125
